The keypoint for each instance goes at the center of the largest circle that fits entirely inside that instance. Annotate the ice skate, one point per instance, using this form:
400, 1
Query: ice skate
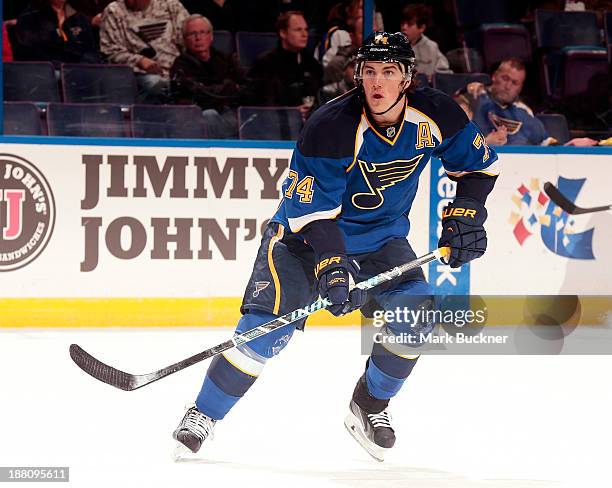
372, 430
193, 430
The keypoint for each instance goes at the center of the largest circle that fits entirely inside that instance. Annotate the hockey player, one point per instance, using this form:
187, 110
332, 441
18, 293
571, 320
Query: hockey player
344, 214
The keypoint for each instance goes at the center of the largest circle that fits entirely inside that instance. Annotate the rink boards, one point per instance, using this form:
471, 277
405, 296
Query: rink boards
109, 234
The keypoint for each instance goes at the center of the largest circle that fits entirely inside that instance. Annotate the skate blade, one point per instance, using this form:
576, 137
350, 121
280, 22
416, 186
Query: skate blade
182, 453
354, 428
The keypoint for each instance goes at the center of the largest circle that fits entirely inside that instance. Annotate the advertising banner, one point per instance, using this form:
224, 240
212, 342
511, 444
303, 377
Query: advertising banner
534, 246
112, 235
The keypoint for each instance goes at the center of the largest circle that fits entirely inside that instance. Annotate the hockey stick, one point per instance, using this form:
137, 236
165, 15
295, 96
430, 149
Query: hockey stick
128, 382
570, 207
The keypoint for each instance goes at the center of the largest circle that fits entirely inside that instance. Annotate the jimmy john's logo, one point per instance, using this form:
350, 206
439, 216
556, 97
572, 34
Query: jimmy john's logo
379, 177
27, 212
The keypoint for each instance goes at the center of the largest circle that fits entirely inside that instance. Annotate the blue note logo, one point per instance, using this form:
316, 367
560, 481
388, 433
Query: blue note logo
379, 177
259, 287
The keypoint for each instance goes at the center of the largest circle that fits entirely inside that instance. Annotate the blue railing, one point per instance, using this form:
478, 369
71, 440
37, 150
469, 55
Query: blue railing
235, 143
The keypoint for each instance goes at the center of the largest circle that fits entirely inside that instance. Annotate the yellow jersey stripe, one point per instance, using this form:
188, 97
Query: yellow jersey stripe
277, 237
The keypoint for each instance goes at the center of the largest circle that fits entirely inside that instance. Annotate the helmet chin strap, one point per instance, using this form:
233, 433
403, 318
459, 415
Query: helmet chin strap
399, 97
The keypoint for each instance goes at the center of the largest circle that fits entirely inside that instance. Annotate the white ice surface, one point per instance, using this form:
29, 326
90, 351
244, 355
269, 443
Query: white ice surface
461, 421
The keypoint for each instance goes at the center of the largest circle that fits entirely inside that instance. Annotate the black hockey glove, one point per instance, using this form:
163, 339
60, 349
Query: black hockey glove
463, 231
336, 274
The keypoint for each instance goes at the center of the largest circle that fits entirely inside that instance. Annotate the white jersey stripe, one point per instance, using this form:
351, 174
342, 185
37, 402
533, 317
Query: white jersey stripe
298, 223
243, 362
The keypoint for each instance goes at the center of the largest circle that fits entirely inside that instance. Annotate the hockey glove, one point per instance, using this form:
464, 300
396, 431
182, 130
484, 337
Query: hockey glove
463, 231
335, 276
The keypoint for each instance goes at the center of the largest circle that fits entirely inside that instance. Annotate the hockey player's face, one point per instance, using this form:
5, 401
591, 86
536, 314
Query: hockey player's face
382, 84
507, 83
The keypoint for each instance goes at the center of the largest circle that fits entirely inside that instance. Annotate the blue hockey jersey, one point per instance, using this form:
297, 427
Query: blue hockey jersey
523, 127
344, 168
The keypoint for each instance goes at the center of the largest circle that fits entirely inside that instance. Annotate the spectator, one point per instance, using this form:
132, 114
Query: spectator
442, 27
7, 51
340, 19
146, 35
429, 59
343, 19
52, 30
499, 106
497, 137
288, 75
334, 70
335, 89
208, 78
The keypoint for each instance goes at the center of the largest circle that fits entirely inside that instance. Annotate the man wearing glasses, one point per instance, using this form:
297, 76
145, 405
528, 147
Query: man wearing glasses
209, 78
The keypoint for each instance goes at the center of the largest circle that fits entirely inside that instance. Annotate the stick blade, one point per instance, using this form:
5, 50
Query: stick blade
100, 371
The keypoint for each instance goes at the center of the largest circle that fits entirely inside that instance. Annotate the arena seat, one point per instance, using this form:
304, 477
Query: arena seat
252, 44
269, 123
30, 82
556, 30
22, 119
86, 120
98, 83
224, 41
503, 41
471, 14
556, 126
168, 122
582, 68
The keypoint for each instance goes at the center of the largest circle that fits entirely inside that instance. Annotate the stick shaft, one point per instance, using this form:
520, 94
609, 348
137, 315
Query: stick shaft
128, 382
